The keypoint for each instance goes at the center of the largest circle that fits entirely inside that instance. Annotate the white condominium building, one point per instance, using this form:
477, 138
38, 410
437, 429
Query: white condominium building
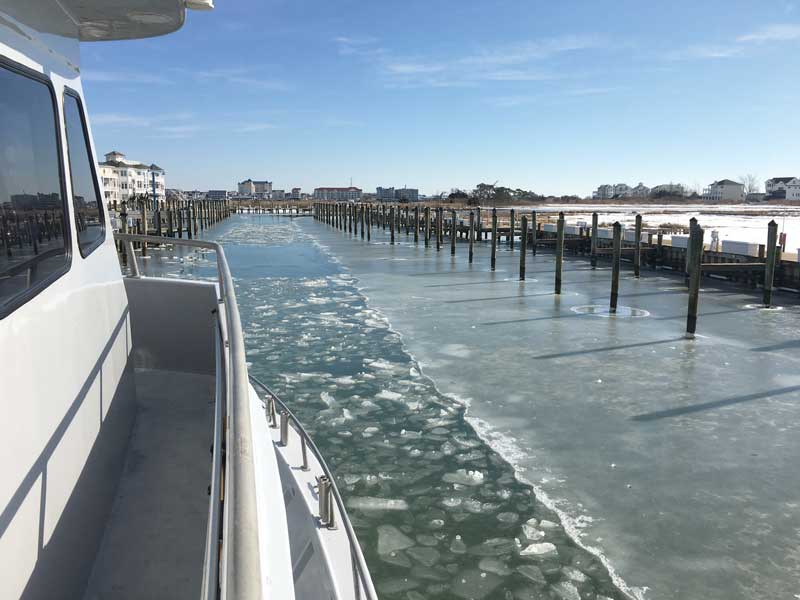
123, 178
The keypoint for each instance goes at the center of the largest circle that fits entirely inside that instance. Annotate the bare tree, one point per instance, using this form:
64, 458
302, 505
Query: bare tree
750, 183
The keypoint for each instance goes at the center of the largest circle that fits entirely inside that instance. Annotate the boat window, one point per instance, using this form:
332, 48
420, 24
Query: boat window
33, 231
89, 220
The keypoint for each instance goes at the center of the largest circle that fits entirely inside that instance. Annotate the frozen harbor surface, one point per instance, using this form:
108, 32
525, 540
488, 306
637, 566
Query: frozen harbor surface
675, 461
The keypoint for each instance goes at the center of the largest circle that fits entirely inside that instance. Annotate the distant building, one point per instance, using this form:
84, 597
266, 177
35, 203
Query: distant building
604, 192
123, 178
640, 191
337, 194
195, 195
754, 197
668, 189
406, 195
724, 190
390, 194
622, 190
278, 195
256, 189
217, 195
246, 187
384, 194
783, 188
296, 195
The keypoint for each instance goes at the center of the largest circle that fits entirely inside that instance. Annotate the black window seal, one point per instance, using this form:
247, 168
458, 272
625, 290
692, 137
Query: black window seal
23, 298
68, 91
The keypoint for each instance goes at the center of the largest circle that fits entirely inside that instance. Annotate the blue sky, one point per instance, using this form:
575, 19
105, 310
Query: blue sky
557, 97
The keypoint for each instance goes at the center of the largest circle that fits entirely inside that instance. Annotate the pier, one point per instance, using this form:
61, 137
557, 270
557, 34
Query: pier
170, 219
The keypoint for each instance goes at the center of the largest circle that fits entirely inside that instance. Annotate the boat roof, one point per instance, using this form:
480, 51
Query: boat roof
104, 20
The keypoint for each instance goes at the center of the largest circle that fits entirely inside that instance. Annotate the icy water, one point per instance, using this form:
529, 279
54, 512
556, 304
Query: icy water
438, 512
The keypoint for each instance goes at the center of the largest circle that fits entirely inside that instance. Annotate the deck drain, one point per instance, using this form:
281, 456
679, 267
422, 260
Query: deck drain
604, 311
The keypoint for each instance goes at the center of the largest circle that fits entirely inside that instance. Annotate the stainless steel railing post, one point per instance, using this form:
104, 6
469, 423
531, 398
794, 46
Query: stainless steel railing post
323, 494
304, 451
284, 428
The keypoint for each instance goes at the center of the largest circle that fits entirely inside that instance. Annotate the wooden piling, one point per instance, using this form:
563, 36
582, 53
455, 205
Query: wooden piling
637, 251
494, 238
471, 240
511, 230
452, 233
559, 252
769, 267
689, 258
593, 251
615, 267
696, 245
438, 229
522, 248
416, 224
534, 232
427, 226
391, 224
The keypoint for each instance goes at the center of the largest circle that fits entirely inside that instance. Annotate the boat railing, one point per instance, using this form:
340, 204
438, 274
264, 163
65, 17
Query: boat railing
232, 567
362, 582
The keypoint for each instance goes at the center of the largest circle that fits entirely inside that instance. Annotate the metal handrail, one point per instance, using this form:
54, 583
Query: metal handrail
211, 561
362, 579
240, 561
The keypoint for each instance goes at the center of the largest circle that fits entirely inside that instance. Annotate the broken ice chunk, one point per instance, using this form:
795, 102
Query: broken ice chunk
540, 551
464, 477
391, 539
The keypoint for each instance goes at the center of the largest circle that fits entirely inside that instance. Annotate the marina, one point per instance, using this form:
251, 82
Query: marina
286, 341
400, 353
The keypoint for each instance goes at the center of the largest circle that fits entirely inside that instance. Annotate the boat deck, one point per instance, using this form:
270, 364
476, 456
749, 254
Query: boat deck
154, 541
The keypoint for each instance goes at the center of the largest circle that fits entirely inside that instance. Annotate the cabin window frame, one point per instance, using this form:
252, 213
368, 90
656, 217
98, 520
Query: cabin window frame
30, 293
68, 91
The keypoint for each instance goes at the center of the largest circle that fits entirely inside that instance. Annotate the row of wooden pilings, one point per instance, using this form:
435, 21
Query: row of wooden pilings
432, 226
171, 218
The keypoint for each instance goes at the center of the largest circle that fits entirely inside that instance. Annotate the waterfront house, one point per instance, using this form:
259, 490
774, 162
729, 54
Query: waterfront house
724, 190
783, 188
668, 189
604, 192
622, 190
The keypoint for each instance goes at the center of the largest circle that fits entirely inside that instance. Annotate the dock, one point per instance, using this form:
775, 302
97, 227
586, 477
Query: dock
689, 256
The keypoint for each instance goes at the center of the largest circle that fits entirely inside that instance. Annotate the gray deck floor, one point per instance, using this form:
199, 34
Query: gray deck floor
154, 542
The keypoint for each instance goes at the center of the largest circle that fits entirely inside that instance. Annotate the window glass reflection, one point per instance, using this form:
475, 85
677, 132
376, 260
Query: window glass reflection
32, 221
